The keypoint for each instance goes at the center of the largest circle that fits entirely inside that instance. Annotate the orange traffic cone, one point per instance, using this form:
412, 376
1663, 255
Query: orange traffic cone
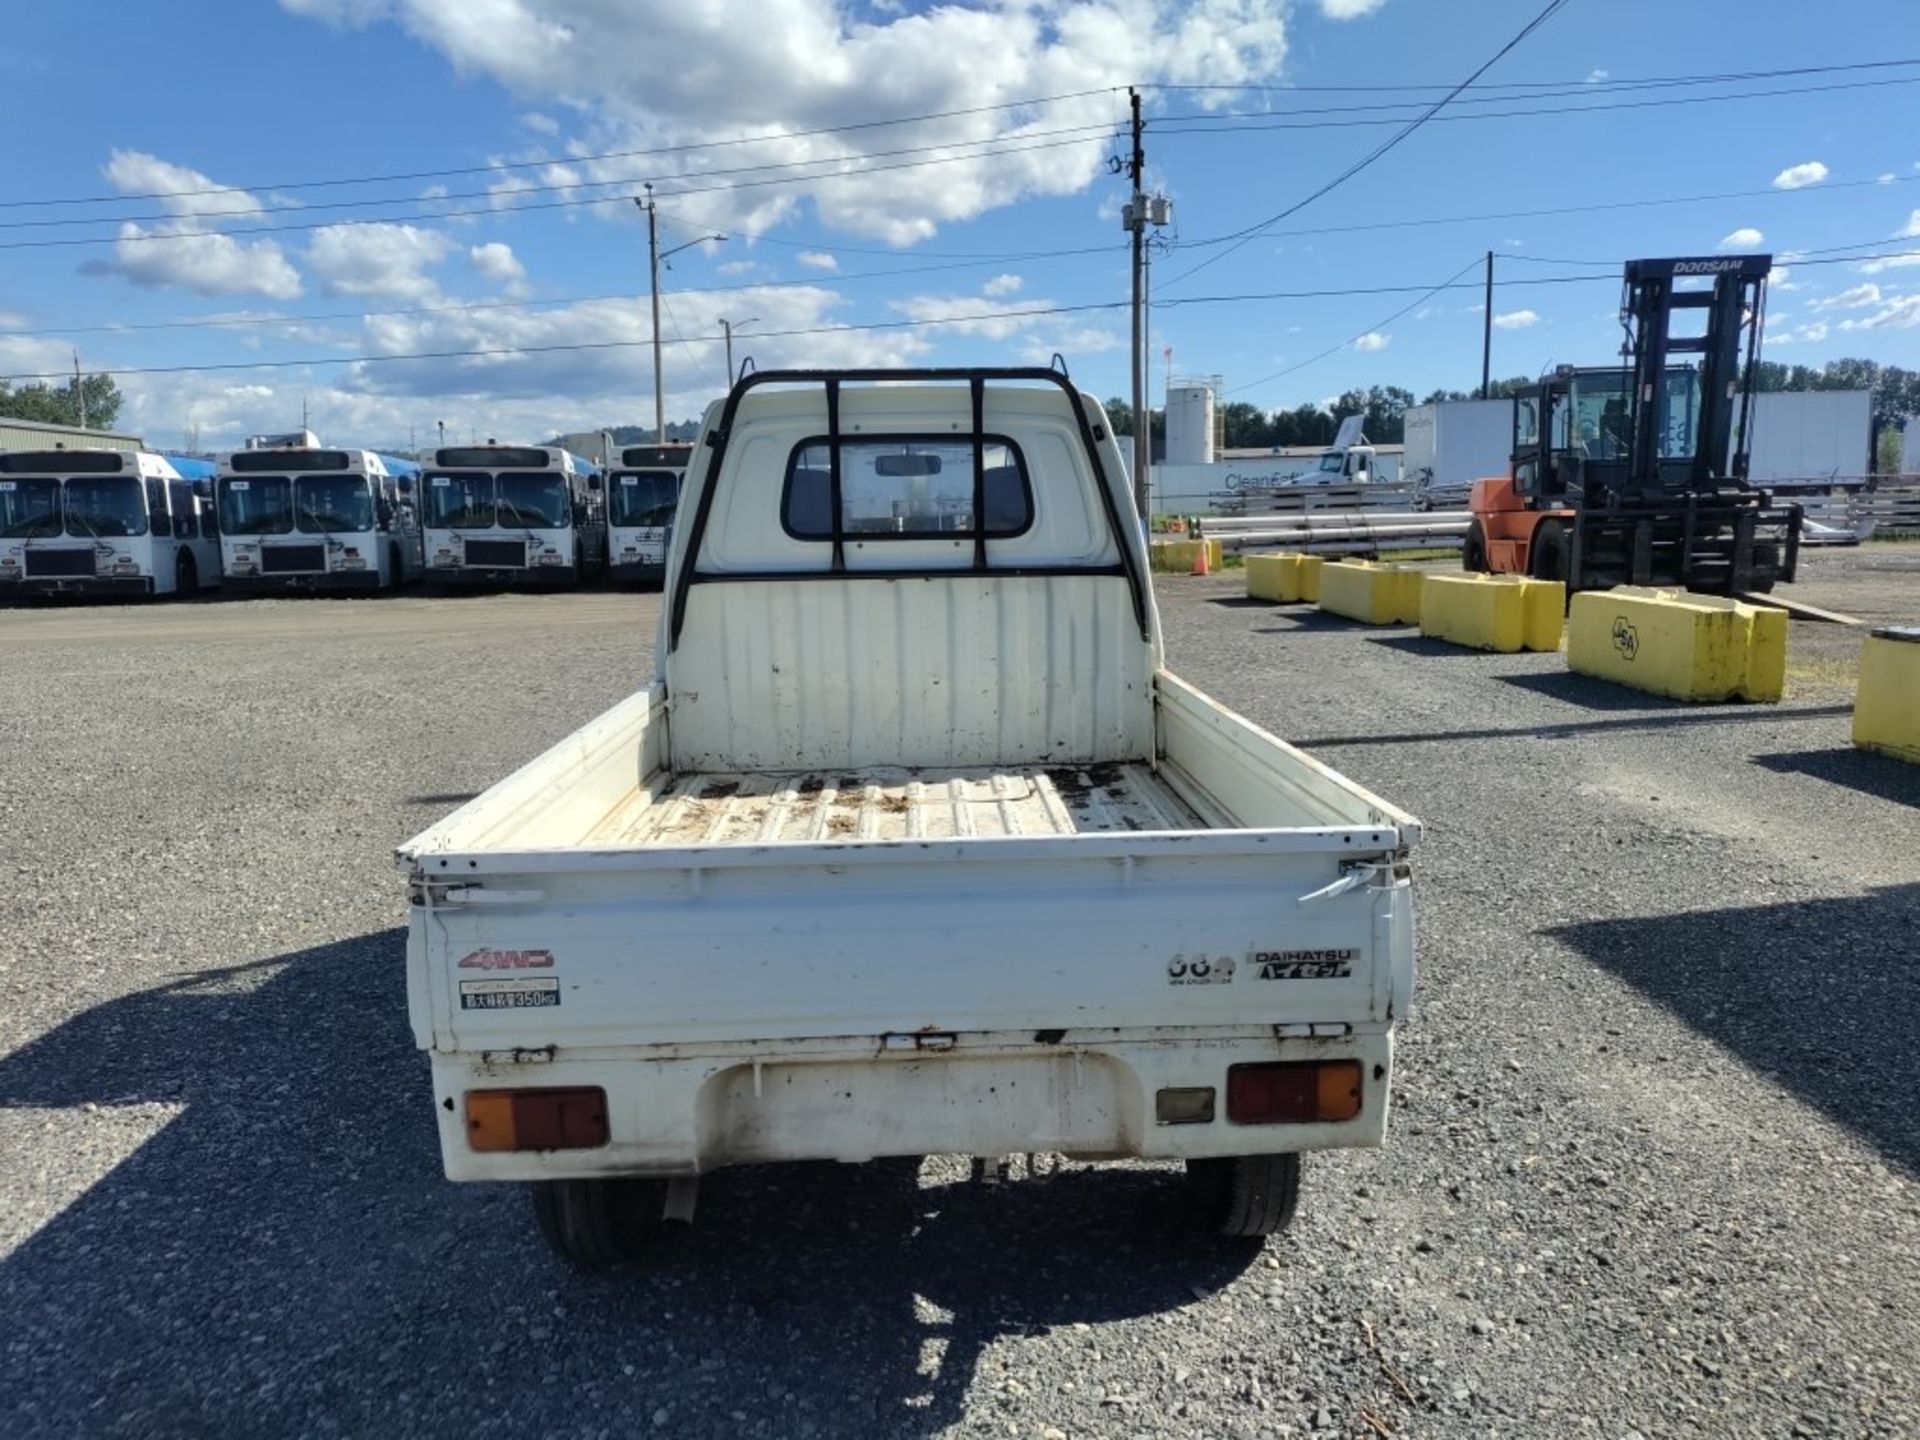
1200, 547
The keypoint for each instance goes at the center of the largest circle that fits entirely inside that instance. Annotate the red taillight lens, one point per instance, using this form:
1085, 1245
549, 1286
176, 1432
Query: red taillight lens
537, 1119
1293, 1093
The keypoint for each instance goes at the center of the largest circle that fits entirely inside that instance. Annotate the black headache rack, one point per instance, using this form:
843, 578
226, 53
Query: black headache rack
1727, 543
976, 379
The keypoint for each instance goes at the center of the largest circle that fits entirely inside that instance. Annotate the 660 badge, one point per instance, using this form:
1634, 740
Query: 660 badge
1200, 970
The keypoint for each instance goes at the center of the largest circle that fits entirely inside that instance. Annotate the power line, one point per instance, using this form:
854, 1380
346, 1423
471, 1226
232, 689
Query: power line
1572, 86
1073, 131
69, 241
1421, 292
1547, 13
245, 322
395, 178
1371, 329
1221, 125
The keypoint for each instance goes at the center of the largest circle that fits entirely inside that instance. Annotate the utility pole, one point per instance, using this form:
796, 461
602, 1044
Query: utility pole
1136, 224
1486, 337
79, 390
653, 286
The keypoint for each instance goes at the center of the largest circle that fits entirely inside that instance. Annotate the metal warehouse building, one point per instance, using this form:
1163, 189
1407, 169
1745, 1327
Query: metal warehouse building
37, 435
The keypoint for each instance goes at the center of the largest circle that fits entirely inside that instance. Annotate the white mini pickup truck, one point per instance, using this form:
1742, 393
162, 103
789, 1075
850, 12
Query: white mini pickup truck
912, 846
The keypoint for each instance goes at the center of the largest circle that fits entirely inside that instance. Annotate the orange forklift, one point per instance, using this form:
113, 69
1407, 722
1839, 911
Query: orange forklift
1638, 475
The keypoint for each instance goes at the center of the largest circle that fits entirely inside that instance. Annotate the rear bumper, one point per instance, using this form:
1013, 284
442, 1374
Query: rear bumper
530, 576
76, 585
674, 1112
333, 580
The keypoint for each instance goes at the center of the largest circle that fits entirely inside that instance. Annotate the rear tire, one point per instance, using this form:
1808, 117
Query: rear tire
1473, 551
1244, 1194
598, 1224
1547, 556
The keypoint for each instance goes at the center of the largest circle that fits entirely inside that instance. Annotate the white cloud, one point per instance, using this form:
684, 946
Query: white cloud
1815, 332
1597, 76
540, 124
1905, 260
186, 252
861, 64
377, 261
1798, 177
1781, 279
1885, 179
1857, 298
1516, 320
1745, 238
1349, 9
1899, 313
817, 260
1003, 285
1912, 228
739, 267
497, 262
1373, 340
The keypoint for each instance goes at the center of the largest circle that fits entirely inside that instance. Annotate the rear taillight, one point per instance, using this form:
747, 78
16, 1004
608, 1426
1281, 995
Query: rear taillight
573, 1119
1293, 1093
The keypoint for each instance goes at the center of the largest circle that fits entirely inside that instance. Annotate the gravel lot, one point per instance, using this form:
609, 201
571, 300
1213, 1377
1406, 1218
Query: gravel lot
1654, 1169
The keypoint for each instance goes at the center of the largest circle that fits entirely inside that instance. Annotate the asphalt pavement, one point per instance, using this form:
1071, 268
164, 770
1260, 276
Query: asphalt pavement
1652, 1168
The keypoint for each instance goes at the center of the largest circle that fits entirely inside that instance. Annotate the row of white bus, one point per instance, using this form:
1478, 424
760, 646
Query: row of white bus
314, 518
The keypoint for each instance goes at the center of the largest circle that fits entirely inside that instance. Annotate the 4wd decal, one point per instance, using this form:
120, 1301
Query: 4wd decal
1626, 639
508, 960
1303, 964
1200, 970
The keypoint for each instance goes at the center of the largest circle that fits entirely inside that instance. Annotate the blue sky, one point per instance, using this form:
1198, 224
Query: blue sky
535, 100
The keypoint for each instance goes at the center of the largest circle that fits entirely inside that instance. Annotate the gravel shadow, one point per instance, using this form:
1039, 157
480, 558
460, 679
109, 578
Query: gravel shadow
1427, 648
1590, 693
1863, 770
284, 1256
1819, 996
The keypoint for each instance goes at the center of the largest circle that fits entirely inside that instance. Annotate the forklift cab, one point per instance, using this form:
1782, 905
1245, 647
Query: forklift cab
1573, 437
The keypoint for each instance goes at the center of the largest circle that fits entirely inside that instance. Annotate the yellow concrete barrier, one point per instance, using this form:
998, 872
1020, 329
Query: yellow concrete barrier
1376, 594
1692, 647
1285, 578
1493, 612
1175, 557
1886, 712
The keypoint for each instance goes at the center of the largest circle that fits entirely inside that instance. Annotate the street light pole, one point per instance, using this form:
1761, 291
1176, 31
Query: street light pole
653, 289
655, 257
728, 326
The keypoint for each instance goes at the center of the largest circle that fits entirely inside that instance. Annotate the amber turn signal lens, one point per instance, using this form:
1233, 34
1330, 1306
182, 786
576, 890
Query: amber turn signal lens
573, 1119
1293, 1093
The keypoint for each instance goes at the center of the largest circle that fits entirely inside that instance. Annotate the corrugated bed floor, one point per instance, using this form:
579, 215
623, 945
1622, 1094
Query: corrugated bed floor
896, 805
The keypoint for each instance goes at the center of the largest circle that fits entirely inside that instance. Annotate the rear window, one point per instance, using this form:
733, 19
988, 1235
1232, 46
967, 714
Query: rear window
907, 487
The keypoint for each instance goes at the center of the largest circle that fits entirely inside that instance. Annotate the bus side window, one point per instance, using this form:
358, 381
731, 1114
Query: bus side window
158, 519
185, 523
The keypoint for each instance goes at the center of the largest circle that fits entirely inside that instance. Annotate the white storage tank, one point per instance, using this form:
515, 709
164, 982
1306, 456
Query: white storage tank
1189, 423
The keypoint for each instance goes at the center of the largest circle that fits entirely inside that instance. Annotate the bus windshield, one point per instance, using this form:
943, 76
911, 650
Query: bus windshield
535, 500
326, 503
29, 508
645, 497
460, 502
257, 505
103, 505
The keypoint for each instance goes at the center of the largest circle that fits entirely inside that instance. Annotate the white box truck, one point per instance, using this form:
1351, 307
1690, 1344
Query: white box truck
912, 846
1452, 443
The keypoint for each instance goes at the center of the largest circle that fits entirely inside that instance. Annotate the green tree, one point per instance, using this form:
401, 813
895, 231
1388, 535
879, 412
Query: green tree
60, 404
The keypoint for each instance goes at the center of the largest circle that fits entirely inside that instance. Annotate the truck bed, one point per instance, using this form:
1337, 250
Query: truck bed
895, 804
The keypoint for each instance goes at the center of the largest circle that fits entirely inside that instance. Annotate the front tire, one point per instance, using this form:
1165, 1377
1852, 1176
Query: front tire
1547, 556
598, 1224
1473, 550
1244, 1195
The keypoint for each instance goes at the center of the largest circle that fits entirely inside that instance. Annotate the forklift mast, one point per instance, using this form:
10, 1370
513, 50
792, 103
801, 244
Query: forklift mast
1728, 349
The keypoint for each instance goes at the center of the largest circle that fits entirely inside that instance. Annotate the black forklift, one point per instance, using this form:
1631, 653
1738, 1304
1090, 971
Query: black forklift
1637, 475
